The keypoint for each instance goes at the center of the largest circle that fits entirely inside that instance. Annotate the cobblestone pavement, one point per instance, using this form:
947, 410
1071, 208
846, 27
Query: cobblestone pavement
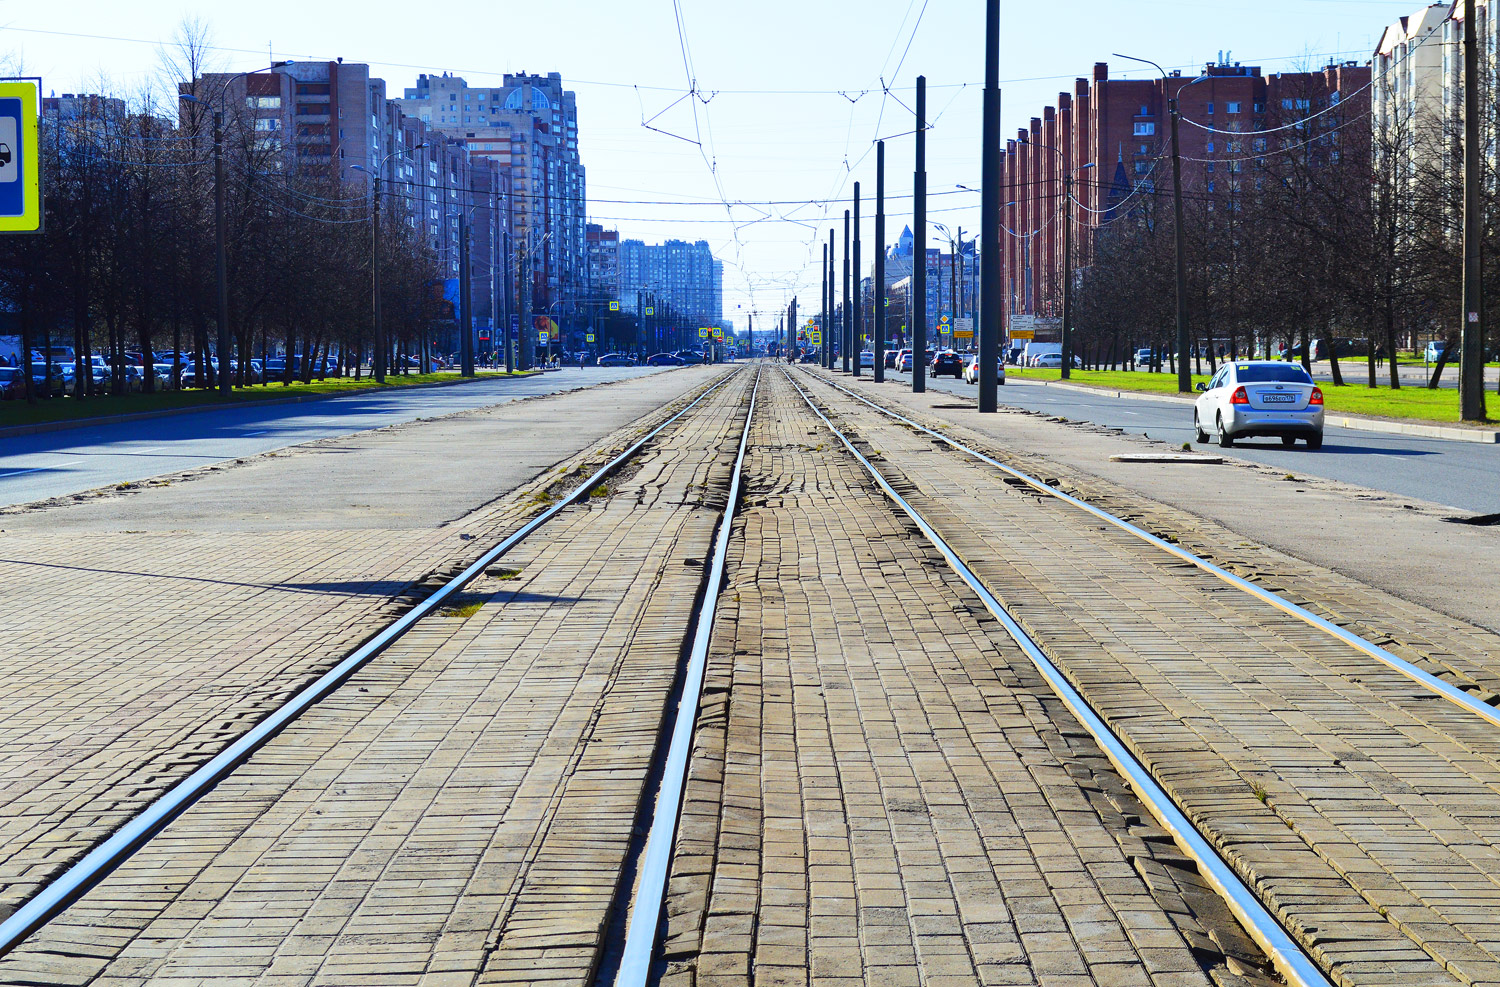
883, 791
130, 657
1364, 807
463, 805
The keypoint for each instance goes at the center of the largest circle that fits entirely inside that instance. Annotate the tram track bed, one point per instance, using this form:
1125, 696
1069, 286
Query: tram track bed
463, 798
1357, 802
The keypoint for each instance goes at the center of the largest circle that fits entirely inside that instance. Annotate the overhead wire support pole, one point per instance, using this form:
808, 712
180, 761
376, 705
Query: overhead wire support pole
1471, 346
857, 309
919, 237
221, 256
834, 326
378, 360
989, 221
878, 330
852, 330
465, 300
823, 319
1067, 288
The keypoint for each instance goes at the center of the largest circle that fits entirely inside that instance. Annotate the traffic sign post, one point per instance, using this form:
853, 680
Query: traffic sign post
588, 337
20, 157
614, 306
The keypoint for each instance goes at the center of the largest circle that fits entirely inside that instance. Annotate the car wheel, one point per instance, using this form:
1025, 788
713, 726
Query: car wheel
1315, 441
1225, 439
1199, 436
1288, 440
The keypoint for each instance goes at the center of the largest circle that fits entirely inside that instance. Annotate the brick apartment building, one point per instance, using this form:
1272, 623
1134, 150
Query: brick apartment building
1114, 136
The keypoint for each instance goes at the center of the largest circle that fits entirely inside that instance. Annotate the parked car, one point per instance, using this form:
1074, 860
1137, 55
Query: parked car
971, 370
664, 360
613, 360
947, 363
1434, 351
1047, 361
1260, 397
1143, 356
12, 383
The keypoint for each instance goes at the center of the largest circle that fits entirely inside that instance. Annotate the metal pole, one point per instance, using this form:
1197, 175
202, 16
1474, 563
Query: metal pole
379, 355
221, 258
834, 323
526, 333
989, 281
791, 324
848, 308
823, 320
879, 327
857, 310
1067, 299
1184, 375
919, 254
1471, 350
465, 299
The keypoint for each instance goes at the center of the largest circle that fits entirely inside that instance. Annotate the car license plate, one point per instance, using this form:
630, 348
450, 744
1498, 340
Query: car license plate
1273, 398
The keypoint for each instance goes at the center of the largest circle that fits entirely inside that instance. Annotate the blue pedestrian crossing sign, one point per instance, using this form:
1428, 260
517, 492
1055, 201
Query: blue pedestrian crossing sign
20, 162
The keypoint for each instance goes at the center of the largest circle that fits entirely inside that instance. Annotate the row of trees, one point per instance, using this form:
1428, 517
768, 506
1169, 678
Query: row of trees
126, 265
1317, 231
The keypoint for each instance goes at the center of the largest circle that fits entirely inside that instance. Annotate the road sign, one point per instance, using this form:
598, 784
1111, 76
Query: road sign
614, 306
542, 337
650, 311
963, 334
1023, 334
20, 162
702, 333
945, 318
817, 339
964, 325
588, 337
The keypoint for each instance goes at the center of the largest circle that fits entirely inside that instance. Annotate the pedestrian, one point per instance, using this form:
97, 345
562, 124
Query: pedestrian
1379, 356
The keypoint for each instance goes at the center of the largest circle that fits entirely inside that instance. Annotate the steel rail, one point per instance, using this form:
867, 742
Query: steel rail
1418, 675
73, 883
645, 914
1285, 953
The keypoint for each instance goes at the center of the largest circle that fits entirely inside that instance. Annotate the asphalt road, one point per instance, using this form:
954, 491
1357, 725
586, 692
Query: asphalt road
53, 464
1465, 475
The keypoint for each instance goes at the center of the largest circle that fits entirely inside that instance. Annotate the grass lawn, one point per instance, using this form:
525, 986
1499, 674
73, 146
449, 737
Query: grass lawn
1382, 402
66, 409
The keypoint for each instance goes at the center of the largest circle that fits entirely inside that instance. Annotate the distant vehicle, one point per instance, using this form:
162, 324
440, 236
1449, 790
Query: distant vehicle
691, 356
971, 370
1434, 351
890, 358
664, 360
1143, 355
947, 364
613, 360
811, 356
1046, 361
867, 359
1260, 397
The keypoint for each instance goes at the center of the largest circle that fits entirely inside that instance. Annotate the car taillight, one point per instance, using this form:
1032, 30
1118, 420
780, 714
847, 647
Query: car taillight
1239, 396
1316, 397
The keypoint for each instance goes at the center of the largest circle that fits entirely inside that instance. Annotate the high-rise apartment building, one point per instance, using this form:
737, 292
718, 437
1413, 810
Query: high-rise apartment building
604, 261
529, 127
684, 277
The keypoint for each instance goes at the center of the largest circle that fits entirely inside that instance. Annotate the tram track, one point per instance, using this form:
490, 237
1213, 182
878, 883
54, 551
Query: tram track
74, 882
1285, 952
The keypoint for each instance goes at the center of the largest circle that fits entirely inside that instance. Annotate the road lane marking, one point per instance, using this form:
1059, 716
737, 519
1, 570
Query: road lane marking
39, 469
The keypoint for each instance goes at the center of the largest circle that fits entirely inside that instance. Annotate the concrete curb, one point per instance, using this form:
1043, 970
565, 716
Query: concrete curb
1359, 423
40, 427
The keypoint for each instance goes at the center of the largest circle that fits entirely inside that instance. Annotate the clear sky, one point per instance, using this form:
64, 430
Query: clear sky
789, 91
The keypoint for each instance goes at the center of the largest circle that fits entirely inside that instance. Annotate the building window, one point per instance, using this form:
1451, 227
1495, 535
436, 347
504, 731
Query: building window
268, 123
1209, 147
1258, 144
1145, 129
1209, 168
1210, 109
1210, 184
1231, 107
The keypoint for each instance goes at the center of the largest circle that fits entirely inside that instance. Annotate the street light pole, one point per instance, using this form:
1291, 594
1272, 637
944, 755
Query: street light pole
852, 330
856, 311
989, 332
878, 328
379, 356
919, 251
1471, 349
465, 299
1179, 239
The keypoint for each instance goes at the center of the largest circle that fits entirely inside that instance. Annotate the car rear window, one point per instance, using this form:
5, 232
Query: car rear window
1256, 373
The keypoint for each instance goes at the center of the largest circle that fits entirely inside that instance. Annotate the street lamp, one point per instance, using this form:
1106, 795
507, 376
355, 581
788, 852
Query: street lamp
1184, 378
379, 359
221, 262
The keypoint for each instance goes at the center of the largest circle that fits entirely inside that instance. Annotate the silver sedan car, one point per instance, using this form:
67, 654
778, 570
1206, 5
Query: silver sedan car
1260, 397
